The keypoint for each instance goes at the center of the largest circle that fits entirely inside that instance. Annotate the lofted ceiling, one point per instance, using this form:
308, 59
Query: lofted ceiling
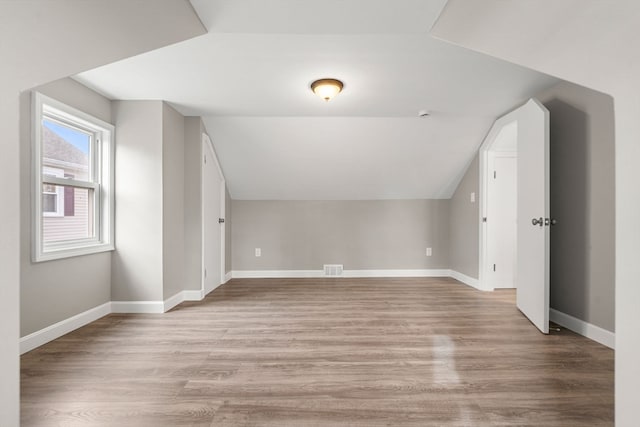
249, 79
591, 42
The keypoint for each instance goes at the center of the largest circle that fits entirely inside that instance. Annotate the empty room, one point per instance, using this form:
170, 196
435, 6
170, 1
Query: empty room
346, 213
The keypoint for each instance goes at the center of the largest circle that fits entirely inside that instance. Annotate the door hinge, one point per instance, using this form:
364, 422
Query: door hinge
494, 267
205, 159
494, 174
205, 273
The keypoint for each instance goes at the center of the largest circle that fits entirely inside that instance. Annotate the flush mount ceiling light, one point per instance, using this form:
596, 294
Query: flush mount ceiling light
327, 88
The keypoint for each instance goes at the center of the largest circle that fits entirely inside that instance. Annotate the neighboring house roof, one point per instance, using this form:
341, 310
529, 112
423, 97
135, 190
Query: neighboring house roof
57, 148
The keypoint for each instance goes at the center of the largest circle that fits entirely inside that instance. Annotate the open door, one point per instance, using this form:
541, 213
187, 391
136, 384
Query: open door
529, 127
532, 277
213, 195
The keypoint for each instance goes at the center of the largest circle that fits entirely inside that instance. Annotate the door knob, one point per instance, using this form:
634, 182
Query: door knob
537, 221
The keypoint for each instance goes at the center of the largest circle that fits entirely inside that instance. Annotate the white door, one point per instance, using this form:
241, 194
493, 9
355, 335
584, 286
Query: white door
211, 229
533, 214
502, 224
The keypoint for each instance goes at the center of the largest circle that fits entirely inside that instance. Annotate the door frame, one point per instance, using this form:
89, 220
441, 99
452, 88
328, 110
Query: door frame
483, 157
207, 140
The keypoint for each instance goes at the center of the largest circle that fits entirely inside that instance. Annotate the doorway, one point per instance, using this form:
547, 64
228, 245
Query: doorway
514, 212
213, 225
501, 176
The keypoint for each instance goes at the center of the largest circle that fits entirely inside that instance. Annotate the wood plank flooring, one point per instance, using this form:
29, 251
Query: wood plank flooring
322, 352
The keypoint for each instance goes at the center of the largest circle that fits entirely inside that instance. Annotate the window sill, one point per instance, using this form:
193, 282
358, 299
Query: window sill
74, 251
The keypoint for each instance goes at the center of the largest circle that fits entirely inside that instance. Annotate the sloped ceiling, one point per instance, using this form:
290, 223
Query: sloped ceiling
118, 29
590, 42
249, 79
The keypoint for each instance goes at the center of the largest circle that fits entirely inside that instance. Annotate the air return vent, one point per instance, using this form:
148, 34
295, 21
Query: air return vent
333, 269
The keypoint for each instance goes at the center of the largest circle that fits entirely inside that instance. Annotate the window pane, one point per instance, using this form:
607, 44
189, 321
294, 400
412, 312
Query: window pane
74, 219
65, 148
49, 202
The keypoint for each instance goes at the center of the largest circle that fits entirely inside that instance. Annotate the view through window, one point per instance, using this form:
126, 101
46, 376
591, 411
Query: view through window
74, 172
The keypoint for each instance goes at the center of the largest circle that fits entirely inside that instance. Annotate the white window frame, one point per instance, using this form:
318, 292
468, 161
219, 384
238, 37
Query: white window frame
59, 192
100, 180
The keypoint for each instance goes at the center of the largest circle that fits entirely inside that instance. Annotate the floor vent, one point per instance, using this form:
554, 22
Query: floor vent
333, 269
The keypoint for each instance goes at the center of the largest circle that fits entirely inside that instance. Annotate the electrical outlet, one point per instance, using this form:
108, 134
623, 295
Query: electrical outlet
258, 252
429, 252
472, 197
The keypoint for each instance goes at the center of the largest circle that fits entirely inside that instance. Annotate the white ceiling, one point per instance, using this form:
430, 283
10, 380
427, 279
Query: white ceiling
249, 79
591, 42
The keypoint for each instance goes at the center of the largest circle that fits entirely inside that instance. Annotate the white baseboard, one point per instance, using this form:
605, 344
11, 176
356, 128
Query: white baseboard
583, 328
155, 307
278, 274
171, 302
470, 281
137, 307
281, 274
63, 327
227, 276
397, 273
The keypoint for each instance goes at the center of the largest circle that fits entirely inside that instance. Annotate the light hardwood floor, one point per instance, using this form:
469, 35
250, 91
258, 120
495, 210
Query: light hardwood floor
322, 352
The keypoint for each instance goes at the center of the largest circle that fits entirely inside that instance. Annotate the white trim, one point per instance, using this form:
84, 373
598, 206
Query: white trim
63, 327
156, 307
247, 274
50, 333
593, 332
133, 307
396, 273
227, 277
102, 180
280, 274
467, 280
171, 302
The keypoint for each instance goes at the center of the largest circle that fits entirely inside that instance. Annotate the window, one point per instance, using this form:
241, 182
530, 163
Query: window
73, 176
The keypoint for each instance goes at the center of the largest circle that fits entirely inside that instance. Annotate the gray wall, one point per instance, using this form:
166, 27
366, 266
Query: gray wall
56, 290
464, 224
38, 51
137, 262
228, 255
158, 242
193, 129
173, 190
304, 235
583, 202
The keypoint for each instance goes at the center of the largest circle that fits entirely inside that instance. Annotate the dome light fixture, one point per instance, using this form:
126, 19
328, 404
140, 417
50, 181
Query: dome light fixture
327, 88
